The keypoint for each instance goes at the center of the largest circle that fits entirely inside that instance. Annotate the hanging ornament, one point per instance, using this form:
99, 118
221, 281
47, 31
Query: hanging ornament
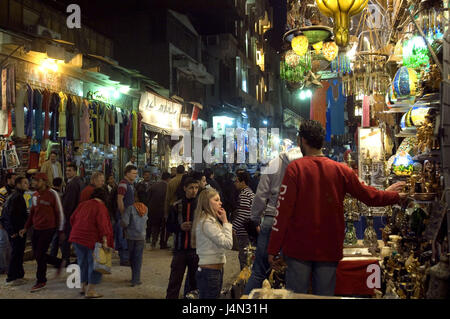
317, 47
300, 44
405, 82
341, 11
330, 50
292, 59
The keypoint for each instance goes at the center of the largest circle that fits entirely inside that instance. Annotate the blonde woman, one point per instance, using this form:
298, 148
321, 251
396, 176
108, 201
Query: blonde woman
211, 236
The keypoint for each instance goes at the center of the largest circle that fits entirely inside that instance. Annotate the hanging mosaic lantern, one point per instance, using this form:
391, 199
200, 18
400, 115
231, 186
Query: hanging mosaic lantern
405, 82
418, 114
330, 50
415, 53
317, 47
403, 164
341, 11
292, 59
300, 44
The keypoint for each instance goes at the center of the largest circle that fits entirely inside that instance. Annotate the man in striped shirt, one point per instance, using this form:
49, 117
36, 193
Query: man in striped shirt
46, 218
242, 214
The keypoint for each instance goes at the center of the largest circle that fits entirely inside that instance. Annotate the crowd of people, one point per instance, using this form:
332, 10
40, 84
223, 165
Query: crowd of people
293, 216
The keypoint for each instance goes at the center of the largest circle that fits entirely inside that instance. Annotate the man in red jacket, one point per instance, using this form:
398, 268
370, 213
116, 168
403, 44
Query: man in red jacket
46, 217
309, 227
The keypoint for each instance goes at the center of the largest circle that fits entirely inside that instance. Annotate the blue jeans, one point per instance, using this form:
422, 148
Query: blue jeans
209, 283
120, 243
136, 249
85, 259
298, 274
261, 265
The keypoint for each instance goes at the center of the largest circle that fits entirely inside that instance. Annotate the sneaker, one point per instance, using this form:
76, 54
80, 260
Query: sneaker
38, 287
17, 282
134, 284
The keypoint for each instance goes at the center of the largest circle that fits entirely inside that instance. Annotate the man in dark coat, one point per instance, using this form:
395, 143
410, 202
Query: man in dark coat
156, 202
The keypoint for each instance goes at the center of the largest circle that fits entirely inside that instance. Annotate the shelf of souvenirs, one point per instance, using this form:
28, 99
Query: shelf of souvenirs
432, 102
434, 155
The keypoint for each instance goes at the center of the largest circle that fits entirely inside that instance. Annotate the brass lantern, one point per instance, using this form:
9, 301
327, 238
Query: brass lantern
300, 45
341, 11
330, 50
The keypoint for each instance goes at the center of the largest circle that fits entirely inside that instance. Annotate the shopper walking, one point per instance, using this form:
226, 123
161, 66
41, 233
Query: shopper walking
14, 217
52, 168
157, 226
91, 224
5, 248
241, 217
46, 218
171, 195
97, 181
263, 213
134, 222
211, 236
125, 198
70, 201
309, 227
181, 216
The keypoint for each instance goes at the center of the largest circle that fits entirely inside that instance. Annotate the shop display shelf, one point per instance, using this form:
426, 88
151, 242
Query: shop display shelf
400, 108
433, 155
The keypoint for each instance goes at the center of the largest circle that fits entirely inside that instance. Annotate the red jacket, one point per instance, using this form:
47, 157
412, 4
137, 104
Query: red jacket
90, 222
46, 211
310, 220
86, 193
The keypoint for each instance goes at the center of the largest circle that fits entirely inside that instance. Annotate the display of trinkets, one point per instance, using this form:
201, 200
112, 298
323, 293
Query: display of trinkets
370, 236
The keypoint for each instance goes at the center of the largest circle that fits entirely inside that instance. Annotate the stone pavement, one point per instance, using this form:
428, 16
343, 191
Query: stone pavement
155, 277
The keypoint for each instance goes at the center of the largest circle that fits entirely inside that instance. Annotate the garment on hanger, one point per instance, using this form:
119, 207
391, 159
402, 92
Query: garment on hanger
140, 134
106, 128
69, 118
29, 118
38, 116
62, 115
135, 129
76, 117
118, 125
54, 120
336, 107
101, 123
46, 109
318, 111
84, 124
112, 126
124, 128
19, 113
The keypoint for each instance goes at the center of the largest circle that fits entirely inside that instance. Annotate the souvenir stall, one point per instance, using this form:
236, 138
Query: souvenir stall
45, 108
388, 70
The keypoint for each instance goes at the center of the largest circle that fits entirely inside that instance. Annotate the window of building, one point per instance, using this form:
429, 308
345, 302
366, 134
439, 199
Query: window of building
244, 79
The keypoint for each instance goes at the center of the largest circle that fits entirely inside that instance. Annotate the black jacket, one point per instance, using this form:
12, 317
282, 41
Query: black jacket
177, 216
71, 196
15, 215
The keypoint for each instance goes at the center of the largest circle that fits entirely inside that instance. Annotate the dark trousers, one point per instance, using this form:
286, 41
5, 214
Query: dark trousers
156, 227
15, 269
181, 260
210, 283
41, 241
136, 250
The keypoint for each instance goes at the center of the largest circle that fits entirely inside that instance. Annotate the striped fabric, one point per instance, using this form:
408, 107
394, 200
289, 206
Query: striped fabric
243, 211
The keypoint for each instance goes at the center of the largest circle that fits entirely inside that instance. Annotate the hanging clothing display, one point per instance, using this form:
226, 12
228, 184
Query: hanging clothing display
54, 119
38, 120
19, 109
29, 118
140, 131
318, 111
62, 114
46, 109
101, 123
84, 123
69, 118
117, 127
112, 126
336, 106
135, 128
76, 117
8, 87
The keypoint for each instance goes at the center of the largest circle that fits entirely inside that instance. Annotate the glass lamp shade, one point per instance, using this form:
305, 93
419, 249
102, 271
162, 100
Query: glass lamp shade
330, 50
292, 59
403, 164
300, 44
405, 82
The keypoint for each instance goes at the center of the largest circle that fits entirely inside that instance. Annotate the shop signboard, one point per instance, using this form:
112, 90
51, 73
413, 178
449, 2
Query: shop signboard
159, 111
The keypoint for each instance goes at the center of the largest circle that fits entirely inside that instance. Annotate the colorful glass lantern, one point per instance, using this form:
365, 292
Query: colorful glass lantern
405, 82
415, 53
341, 11
300, 44
292, 59
318, 46
418, 114
330, 50
403, 164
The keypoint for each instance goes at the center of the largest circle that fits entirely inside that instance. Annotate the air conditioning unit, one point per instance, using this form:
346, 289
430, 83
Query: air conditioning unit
47, 33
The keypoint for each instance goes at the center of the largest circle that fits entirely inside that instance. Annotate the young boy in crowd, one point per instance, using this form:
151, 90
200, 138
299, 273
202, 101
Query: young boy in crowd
134, 221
